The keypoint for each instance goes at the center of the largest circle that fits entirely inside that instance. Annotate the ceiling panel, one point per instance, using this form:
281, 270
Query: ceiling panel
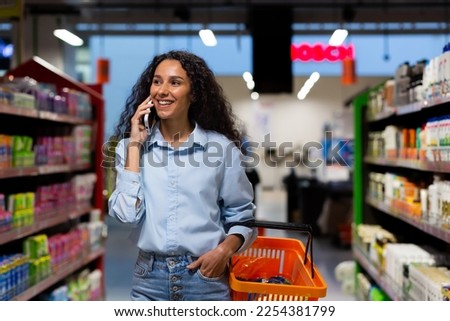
318, 10
238, 11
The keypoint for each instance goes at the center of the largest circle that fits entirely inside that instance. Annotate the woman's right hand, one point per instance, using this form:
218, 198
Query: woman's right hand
138, 131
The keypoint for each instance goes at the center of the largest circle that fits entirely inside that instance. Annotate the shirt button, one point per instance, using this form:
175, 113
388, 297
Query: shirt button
174, 278
171, 263
175, 288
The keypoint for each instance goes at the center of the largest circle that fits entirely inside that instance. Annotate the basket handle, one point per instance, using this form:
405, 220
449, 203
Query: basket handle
287, 227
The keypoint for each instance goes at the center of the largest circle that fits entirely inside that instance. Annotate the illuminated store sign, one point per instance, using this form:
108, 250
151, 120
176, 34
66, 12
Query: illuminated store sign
320, 52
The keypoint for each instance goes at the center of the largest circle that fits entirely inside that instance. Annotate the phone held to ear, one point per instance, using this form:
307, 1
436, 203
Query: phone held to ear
147, 122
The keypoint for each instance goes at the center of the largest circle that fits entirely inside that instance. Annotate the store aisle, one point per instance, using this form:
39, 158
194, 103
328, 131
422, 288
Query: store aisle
120, 257
121, 254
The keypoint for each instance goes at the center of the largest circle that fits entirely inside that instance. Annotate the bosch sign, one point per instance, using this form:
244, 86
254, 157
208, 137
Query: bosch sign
319, 52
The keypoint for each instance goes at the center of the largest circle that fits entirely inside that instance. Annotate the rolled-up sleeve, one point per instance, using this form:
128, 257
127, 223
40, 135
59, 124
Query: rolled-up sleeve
249, 235
126, 203
237, 196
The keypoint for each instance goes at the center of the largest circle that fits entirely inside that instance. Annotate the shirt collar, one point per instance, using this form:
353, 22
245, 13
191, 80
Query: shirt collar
198, 137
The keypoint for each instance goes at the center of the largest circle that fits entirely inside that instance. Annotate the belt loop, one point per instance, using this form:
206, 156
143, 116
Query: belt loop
191, 258
151, 260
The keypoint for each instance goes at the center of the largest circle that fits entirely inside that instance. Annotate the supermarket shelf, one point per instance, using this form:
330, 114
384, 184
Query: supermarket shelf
410, 108
51, 169
41, 170
382, 115
59, 216
414, 107
367, 210
62, 118
436, 231
70, 214
45, 115
379, 277
438, 167
18, 111
58, 276
17, 172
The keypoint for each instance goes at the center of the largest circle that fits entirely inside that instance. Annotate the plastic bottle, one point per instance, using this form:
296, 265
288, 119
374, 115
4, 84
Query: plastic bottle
434, 200
446, 69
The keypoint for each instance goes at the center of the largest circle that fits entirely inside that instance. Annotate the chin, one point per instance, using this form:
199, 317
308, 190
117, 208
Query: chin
165, 115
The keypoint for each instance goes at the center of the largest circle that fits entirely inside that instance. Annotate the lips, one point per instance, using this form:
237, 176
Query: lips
164, 102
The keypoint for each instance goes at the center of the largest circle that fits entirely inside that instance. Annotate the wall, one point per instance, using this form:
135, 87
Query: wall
39, 41
289, 120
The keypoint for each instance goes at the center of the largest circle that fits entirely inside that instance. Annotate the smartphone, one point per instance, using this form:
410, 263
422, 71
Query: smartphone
147, 120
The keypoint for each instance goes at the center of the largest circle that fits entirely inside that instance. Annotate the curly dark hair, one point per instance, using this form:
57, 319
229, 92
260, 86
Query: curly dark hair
209, 106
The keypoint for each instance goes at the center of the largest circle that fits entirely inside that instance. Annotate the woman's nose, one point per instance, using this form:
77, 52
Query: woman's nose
163, 89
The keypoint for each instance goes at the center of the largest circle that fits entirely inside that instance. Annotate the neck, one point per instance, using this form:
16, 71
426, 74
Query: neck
176, 133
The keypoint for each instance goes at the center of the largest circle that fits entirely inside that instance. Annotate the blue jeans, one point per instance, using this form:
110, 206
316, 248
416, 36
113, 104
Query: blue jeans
166, 278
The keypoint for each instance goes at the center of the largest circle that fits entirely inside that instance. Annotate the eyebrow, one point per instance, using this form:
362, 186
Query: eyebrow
171, 77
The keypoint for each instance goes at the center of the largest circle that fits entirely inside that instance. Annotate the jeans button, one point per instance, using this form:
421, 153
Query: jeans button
171, 263
174, 278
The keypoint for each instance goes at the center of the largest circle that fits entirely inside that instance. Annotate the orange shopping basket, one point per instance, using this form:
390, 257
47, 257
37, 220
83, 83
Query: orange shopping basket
278, 258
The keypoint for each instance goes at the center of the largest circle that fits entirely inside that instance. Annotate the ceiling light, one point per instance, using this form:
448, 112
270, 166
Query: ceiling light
67, 36
208, 38
309, 83
254, 95
247, 76
249, 80
338, 37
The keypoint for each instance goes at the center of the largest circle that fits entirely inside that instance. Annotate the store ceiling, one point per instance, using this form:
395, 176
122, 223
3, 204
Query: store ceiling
238, 11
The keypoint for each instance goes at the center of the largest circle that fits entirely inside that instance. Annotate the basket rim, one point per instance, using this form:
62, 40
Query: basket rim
318, 290
284, 289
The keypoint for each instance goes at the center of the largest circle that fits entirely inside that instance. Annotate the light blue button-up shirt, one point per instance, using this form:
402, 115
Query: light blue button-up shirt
183, 199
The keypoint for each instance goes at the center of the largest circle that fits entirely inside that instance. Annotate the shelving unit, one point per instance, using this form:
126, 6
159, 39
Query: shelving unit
383, 280
59, 275
368, 210
69, 214
55, 218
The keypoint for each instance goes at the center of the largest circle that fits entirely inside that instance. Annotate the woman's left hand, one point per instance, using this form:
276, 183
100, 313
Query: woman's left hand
211, 264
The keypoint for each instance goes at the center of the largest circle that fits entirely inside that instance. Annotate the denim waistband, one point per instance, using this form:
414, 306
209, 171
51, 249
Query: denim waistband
164, 258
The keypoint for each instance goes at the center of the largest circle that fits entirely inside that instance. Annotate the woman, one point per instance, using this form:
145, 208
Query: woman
182, 183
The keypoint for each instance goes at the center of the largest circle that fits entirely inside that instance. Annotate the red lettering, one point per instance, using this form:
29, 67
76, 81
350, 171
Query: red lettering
348, 52
319, 52
303, 52
333, 53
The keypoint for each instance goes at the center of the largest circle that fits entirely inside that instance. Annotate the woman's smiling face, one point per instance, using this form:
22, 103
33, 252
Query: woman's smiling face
171, 90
